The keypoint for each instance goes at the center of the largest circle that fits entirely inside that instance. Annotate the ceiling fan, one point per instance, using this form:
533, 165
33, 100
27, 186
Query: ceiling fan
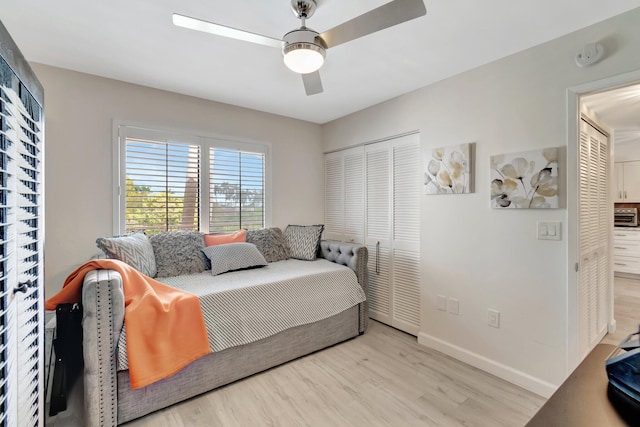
303, 48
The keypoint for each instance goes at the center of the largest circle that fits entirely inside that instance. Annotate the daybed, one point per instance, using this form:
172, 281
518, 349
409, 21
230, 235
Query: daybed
109, 399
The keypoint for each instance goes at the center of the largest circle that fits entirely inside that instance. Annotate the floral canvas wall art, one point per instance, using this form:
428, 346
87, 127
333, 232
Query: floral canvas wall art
450, 170
527, 180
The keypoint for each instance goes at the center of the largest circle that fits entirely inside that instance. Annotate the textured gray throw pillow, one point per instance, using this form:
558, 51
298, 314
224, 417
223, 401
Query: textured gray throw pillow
270, 242
304, 240
179, 252
233, 256
134, 249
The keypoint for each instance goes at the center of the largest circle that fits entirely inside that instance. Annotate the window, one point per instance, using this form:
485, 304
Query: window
178, 182
236, 189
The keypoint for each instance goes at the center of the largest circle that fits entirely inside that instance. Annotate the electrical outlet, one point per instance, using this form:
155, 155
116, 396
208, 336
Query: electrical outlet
442, 303
494, 318
453, 305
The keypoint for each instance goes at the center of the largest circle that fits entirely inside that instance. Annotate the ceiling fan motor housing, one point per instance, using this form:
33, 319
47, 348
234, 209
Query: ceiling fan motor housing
303, 38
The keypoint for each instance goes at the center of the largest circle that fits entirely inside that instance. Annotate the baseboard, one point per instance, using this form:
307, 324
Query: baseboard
526, 381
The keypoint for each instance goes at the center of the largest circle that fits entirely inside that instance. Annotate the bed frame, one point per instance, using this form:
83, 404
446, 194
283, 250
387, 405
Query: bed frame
108, 397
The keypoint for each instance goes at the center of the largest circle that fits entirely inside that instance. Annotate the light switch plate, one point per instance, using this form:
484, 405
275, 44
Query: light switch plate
549, 230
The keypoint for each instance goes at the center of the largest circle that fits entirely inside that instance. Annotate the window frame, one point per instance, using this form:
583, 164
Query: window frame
123, 130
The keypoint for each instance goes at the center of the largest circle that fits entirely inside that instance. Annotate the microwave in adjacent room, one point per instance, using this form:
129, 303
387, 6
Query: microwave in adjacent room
625, 217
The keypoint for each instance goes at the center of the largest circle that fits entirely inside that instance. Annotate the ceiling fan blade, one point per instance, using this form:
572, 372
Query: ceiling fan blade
312, 83
385, 16
224, 31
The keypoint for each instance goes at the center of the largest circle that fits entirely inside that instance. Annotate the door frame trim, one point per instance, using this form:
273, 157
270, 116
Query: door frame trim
573, 135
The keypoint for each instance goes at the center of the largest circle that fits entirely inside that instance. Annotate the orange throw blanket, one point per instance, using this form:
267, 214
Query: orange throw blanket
165, 327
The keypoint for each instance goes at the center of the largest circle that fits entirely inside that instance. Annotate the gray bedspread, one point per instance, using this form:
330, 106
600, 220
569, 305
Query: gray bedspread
249, 305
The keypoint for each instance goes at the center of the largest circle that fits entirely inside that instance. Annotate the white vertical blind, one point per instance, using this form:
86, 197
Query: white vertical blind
21, 244
593, 274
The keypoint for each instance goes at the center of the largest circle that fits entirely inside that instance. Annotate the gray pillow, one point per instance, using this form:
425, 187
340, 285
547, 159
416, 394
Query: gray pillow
304, 240
179, 252
271, 243
134, 249
233, 256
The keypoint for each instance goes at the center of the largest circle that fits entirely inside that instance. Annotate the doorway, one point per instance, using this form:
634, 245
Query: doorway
577, 96
619, 108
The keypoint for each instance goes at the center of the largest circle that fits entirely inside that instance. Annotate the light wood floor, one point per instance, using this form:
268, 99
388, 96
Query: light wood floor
383, 378
626, 307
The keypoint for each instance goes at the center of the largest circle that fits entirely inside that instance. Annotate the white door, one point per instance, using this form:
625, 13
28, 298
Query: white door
631, 182
594, 225
344, 195
392, 231
333, 196
618, 176
354, 195
377, 229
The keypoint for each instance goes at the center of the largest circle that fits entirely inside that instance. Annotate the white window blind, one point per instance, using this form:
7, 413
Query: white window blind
162, 186
177, 182
236, 189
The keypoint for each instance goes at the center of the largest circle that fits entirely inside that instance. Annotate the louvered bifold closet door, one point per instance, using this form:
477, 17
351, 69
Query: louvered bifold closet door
334, 196
406, 233
378, 229
344, 195
21, 221
354, 195
392, 231
593, 211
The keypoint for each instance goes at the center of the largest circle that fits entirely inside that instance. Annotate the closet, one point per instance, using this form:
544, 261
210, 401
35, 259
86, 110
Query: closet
372, 196
21, 239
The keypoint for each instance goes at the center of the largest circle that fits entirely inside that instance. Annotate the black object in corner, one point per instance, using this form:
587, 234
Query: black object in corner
623, 371
67, 346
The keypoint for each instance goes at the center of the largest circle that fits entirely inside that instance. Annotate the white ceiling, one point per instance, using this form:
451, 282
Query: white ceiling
620, 109
135, 41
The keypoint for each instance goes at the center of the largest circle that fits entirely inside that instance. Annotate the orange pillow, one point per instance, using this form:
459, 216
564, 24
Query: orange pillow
220, 239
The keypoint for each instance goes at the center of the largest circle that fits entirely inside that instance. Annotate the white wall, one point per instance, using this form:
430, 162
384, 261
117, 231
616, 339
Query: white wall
627, 152
484, 257
79, 113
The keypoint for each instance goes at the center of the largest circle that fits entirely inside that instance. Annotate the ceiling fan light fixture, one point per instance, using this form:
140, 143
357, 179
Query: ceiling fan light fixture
303, 58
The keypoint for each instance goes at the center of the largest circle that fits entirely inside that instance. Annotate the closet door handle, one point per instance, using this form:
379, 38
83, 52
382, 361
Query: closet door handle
23, 287
378, 257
